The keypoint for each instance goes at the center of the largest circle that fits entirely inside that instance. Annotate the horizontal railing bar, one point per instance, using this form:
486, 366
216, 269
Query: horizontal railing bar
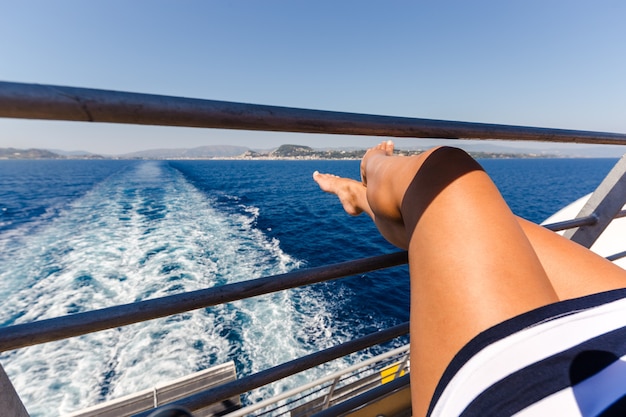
569, 224
229, 389
365, 398
617, 256
36, 101
581, 221
22, 335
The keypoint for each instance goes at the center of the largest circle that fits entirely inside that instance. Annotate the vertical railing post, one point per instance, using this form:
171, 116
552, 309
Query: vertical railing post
331, 391
402, 366
10, 403
604, 204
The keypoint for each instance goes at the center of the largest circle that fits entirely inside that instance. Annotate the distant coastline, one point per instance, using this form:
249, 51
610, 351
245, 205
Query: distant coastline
14, 153
283, 152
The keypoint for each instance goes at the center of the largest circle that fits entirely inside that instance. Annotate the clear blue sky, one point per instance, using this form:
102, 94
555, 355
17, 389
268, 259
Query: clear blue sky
557, 63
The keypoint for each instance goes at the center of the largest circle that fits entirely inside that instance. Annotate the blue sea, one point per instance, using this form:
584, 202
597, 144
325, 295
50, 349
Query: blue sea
81, 235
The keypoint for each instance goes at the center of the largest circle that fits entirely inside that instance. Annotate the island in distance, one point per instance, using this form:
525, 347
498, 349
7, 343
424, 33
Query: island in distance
297, 152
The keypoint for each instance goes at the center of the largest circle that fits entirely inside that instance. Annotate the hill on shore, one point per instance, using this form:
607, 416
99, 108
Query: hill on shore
13, 153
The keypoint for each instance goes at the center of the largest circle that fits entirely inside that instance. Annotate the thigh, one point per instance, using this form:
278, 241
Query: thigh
573, 270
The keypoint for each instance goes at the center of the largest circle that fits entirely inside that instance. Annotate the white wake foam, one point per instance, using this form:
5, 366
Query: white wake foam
143, 233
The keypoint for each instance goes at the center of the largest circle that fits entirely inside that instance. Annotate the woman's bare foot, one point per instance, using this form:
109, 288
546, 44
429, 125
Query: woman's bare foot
356, 197
353, 197
351, 193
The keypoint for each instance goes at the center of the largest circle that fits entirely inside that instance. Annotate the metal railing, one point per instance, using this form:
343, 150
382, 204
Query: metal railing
286, 369
32, 101
22, 335
329, 383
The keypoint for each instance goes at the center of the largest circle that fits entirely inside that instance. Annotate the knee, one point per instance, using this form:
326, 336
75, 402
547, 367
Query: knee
440, 167
449, 153
446, 163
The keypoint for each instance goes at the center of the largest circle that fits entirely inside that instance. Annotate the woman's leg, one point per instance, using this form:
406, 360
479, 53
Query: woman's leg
573, 270
472, 262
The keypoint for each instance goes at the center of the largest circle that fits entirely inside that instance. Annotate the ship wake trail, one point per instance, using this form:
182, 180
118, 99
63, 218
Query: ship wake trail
146, 232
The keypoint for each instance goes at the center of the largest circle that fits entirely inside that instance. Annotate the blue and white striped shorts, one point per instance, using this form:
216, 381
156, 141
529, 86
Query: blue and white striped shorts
564, 359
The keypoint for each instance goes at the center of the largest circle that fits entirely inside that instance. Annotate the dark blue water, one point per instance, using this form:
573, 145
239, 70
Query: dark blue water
80, 235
